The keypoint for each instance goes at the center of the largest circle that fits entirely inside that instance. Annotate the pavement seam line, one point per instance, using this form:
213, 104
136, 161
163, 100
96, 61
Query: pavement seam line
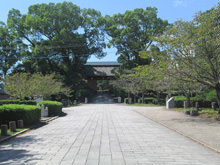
181, 133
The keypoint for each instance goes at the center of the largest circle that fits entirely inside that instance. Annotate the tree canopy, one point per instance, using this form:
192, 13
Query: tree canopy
58, 38
24, 85
132, 32
194, 49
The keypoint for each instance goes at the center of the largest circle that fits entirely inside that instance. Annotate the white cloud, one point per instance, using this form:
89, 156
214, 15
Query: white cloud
179, 3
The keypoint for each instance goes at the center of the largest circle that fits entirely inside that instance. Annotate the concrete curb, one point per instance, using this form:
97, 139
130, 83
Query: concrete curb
14, 135
181, 133
45, 121
49, 119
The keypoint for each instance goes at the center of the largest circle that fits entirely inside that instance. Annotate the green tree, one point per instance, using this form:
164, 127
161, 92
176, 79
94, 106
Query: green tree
194, 48
10, 50
22, 85
60, 38
134, 31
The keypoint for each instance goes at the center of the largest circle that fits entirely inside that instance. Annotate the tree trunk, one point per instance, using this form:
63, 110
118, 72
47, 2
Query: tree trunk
188, 99
158, 97
128, 97
134, 99
217, 88
142, 97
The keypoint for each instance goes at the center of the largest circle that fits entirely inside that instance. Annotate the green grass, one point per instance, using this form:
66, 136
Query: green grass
11, 133
209, 113
146, 105
205, 112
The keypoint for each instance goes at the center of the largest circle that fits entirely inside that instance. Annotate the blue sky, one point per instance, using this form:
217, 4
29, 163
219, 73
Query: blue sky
170, 10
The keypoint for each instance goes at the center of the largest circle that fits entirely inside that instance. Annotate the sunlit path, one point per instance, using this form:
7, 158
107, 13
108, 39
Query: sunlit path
104, 134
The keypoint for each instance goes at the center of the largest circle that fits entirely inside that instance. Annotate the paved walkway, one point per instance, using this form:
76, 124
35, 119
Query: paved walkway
104, 134
203, 130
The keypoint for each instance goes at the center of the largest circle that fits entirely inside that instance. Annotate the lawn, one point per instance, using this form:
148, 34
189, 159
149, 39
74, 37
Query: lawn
146, 105
11, 133
205, 112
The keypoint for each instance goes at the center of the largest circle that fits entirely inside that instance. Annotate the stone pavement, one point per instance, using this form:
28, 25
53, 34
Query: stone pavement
205, 131
104, 134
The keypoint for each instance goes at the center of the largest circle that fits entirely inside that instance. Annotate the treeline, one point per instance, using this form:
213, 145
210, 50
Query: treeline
178, 58
184, 60
60, 38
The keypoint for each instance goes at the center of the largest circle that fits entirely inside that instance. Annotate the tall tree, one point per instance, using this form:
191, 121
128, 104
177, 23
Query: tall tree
10, 50
133, 31
195, 49
21, 85
60, 37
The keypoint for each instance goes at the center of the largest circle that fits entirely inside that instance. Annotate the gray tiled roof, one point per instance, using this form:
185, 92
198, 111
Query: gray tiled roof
100, 71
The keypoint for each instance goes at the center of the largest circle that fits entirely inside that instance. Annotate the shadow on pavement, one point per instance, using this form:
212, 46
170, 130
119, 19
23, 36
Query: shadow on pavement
102, 99
10, 156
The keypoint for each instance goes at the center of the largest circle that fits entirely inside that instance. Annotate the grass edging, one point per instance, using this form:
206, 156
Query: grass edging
14, 135
46, 121
145, 105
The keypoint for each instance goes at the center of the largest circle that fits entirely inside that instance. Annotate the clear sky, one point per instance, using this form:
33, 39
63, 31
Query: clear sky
170, 10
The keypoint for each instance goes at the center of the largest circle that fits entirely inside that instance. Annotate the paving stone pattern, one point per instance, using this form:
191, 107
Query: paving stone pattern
104, 134
203, 130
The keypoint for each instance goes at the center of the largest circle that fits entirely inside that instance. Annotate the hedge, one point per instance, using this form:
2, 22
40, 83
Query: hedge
26, 102
54, 107
126, 100
202, 103
152, 100
159, 101
30, 114
148, 100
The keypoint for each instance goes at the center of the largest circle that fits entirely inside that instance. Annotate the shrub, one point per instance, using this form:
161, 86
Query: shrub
12, 112
148, 100
159, 101
211, 95
139, 100
202, 103
54, 107
179, 101
27, 102
179, 98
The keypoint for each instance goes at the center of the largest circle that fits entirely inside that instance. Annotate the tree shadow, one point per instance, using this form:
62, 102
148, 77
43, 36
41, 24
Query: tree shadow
63, 114
16, 155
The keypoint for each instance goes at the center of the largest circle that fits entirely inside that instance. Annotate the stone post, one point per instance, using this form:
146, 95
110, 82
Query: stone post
12, 126
170, 103
214, 106
185, 104
4, 130
129, 100
74, 102
42, 110
195, 112
197, 106
46, 112
119, 99
86, 100
20, 124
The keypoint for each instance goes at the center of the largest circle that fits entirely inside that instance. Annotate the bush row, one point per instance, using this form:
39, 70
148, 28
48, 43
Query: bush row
126, 100
149, 100
54, 107
179, 100
27, 102
30, 114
